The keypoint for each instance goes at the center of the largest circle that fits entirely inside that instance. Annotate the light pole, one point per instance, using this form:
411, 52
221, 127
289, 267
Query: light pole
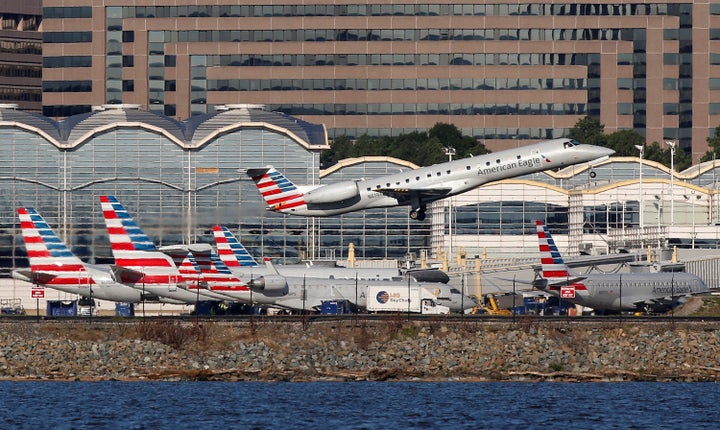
693, 202
450, 152
671, 144
641, 148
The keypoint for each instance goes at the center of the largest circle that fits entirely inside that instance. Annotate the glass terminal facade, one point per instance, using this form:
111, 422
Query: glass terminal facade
180, 178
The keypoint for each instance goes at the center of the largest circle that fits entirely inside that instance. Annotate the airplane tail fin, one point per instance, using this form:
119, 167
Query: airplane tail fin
280, 194
132, 248
217, 275
230, 250
47, 253
554, 269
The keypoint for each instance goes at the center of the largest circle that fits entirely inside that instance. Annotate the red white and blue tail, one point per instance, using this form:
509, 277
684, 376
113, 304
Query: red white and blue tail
230, 250
554, 269
218, 277
280, 194
553, 265
133, 249
51, 261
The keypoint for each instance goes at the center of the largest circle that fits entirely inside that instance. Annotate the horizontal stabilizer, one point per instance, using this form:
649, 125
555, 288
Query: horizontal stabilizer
257, 172
180, 250
125, 274
559, 282
34, 277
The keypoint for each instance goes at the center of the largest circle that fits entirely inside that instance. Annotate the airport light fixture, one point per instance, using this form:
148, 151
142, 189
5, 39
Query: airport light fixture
671, 144
641, 148
693, 202
450, 152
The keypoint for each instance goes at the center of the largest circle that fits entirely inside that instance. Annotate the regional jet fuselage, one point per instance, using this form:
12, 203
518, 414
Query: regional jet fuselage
416, 188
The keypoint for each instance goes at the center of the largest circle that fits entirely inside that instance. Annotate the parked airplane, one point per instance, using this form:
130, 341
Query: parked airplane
615, 292
138, 262
190, 269
298, 290
421, 186
238, 259
308, 293
53, 265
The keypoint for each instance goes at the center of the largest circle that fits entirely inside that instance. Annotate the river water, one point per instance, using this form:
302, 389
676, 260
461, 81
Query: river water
359, 405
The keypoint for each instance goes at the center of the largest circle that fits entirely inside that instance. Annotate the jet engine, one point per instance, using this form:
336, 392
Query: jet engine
332, 193
270, 284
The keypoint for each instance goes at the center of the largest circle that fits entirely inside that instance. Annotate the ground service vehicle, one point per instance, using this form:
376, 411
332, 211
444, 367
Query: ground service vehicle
400, 299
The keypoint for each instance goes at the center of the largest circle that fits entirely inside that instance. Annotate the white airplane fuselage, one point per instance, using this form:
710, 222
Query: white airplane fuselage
96, 282
308, 293
630, 291
424, 185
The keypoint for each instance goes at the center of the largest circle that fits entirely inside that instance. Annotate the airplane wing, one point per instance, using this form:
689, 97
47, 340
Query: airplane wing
34, 277
566, 281
124, 274
541, 281
409, 194
194, 248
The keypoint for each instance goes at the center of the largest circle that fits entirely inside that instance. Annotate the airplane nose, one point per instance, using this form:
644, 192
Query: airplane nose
605, 152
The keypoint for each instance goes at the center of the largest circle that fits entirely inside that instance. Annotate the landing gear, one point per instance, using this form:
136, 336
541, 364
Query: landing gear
419, 213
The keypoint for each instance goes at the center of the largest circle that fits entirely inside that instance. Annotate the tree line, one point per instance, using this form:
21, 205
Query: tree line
426, 148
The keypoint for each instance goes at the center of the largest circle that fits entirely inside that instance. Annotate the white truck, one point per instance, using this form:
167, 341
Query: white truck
401, 299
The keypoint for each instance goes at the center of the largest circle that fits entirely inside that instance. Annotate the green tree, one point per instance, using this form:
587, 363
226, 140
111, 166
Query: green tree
624, 141
714, 146
421, 148
450, 136
588, 130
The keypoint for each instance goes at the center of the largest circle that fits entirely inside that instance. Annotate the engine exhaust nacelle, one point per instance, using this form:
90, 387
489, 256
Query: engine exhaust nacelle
332, 193
270, 284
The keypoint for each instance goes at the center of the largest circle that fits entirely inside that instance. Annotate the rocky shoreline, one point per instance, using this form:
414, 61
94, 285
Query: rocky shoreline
356, 350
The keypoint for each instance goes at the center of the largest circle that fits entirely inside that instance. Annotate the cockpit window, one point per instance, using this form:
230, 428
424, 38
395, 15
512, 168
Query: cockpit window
574, 142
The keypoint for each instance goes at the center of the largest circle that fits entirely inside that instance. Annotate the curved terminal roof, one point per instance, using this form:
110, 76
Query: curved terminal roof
193, 133
9, 114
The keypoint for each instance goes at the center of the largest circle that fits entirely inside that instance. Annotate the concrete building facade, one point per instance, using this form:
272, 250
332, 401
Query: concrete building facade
507, 72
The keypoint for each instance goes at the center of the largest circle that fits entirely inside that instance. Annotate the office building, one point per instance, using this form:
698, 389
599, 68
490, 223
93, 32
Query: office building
506, 72
21, 53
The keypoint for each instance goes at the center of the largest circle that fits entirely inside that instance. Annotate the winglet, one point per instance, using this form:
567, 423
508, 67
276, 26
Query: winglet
271, 267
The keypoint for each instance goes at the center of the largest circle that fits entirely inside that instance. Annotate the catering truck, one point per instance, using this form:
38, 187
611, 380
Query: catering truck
401, 299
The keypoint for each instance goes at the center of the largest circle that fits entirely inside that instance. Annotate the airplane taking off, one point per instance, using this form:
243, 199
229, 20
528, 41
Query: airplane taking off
419, 187
612, 292
138, 262
53, 265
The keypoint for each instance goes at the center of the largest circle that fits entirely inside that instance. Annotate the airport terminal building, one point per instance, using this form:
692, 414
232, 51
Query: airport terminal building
180, 178
506, 72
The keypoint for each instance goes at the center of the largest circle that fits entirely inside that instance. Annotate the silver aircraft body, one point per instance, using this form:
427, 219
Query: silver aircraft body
612, 292
241, 263
307, 293
419, 187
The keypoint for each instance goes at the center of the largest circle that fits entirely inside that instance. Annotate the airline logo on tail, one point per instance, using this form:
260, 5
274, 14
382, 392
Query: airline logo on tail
217, 275
230, 250
48, 255
278, 192
132, 248
554, 269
